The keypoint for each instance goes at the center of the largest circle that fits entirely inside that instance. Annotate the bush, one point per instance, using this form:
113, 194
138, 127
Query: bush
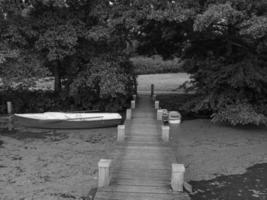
176, 102
156, 65
239, 114
31, 101
106, 84
25, 101
234, 93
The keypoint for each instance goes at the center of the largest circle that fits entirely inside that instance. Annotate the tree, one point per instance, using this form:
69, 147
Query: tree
225, 44
70, 39
229, 63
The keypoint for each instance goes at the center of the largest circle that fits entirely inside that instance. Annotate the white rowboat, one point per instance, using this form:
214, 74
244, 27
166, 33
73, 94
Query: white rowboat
61, 120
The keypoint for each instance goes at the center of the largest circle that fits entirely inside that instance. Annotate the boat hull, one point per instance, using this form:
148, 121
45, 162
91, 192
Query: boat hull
64, 124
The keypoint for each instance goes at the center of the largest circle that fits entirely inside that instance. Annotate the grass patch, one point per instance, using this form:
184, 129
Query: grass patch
163, 82
155, 64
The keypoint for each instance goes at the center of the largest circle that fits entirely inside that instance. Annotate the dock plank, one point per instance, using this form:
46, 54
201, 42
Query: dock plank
143, 169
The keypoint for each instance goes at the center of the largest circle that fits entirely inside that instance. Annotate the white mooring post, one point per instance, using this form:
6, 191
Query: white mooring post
9, 107
128, 114
159, 114
10, 126
10, 120
103, 172
133, 104
165, 133
177, 179
121, 133
152, 90
156, 104
154, 97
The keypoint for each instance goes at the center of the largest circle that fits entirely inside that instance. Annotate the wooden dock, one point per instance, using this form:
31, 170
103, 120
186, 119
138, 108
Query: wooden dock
143, 168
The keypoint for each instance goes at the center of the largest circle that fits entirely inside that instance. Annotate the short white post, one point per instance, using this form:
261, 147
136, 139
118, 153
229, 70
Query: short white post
103, 172
128, 114
10, 120
121, 133
154, 97
133, 104
165, 133
177, 179
9, 107
152, 90
156, 104
159, 114
134, 97
10, 123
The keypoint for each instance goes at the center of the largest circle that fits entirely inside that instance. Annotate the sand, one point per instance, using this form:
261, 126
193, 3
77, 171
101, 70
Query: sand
49, 166
63, 166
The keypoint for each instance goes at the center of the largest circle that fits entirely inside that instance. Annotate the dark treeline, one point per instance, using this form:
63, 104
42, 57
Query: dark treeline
86, 46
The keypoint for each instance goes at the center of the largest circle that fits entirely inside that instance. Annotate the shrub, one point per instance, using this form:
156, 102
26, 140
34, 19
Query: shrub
234, 93
239, 114
155, 65
176, 102
25, 101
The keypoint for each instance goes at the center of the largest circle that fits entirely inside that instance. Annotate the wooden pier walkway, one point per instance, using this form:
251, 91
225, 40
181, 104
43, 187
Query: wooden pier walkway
143, 169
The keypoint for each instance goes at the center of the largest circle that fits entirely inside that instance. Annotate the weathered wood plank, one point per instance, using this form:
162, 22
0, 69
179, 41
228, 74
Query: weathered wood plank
138, 189
139, 182
140, 196
143, 169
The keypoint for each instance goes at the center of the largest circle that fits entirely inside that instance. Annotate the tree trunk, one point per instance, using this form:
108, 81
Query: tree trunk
57, 84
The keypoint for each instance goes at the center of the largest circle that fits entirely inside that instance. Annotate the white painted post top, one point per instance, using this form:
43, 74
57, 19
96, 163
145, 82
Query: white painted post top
156, 104
178, 167
104, 163
121, 126
9, 107
160, 111
165, 127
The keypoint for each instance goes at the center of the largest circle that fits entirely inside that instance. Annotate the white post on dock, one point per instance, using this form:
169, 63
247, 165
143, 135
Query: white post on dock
121, 133
128, 114
10, 119
10, 126
156, 104
9, 107
165, 133
152, 90
103, 172
159, 114
154, 97
133, 104
177, 179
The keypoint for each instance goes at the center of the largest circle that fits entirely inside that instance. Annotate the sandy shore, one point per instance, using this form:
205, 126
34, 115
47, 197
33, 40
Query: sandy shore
45, 166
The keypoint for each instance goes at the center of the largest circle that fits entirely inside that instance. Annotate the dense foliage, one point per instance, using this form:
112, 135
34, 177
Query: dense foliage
71, 40
228, 60
45, 101
85, 43
225, 45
